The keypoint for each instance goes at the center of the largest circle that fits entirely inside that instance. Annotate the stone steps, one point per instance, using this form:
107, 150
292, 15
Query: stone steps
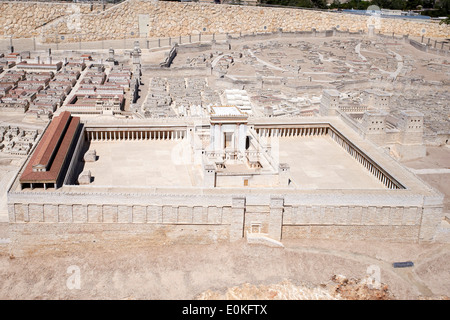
263, 239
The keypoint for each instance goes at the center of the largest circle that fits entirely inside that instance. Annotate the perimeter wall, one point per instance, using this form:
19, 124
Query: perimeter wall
53, 221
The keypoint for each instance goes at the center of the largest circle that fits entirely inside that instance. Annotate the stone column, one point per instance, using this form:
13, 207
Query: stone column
237, 219
220, 140
212, 132
276, 217
284, 174
242, 137
209, 176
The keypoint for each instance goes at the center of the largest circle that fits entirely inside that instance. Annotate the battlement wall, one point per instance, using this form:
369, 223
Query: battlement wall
52, 221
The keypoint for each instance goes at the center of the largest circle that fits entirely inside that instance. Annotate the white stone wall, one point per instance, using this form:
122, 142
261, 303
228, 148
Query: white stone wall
44, 220
166, 19
25, 19
208, 215
113, 213
34, 238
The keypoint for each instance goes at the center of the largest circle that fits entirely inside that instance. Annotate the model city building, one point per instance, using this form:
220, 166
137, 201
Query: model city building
266, 140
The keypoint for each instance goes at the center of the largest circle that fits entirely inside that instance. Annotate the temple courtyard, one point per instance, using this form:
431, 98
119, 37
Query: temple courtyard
315, 163
141, 163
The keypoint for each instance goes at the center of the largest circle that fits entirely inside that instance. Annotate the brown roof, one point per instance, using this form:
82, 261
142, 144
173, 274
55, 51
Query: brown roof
47, 146
51, 138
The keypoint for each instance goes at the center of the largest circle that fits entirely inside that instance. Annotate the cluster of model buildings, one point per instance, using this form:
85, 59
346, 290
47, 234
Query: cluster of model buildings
40, 86
16, 141
37, 86
187, 96
101, 90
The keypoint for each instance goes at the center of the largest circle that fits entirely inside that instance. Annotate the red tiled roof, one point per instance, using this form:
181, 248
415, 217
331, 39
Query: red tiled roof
49, 145
51, 138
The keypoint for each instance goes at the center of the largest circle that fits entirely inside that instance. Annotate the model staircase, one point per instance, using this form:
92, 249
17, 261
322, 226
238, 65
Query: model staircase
262, 239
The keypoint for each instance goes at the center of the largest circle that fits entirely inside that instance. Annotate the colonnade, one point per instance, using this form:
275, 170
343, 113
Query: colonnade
113, 135
292, 132
374, 169
44, 185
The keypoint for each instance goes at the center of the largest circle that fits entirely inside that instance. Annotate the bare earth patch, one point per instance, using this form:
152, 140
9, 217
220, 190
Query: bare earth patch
301, 270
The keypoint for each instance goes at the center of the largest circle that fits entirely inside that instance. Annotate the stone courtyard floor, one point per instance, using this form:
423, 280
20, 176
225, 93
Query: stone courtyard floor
142, 163
320, 163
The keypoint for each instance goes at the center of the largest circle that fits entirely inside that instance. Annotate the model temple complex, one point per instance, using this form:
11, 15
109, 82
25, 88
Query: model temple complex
264, 137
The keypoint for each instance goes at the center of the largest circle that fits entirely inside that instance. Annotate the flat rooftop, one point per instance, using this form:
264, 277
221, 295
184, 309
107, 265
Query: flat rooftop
225, 111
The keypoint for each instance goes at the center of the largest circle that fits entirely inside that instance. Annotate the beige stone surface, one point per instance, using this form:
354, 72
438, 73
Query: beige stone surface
174, 19
320, 163
315, 162
429, 169
142, 271
140, 163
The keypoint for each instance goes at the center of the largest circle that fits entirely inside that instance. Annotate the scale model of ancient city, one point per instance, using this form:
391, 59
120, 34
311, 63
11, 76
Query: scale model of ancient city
186, 124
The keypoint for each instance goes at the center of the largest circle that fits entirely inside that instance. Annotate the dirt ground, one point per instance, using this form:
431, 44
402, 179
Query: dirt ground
210, 271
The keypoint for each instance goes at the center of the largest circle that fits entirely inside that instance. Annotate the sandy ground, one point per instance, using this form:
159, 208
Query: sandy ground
185, 272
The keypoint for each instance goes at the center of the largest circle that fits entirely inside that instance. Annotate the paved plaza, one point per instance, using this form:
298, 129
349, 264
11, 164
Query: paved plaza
141, 163
319, 163
316, 163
